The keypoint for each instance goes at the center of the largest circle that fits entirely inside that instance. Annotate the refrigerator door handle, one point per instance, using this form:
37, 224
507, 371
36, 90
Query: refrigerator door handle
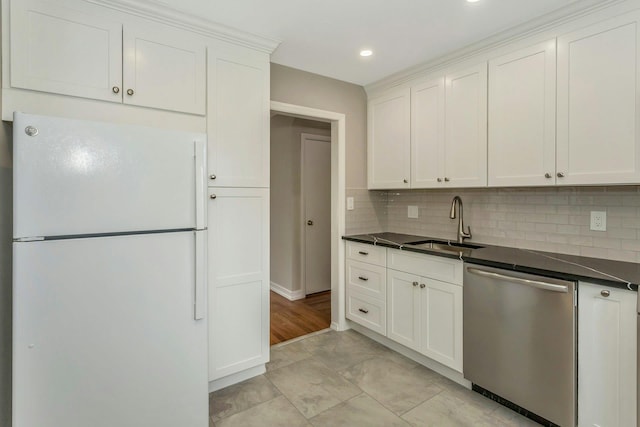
200, 288
200, 187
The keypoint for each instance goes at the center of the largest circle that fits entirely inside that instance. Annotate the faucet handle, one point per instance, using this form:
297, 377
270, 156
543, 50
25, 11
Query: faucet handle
468, 233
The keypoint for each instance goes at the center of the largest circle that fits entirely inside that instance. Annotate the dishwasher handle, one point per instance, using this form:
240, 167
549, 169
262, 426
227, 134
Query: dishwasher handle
533, 283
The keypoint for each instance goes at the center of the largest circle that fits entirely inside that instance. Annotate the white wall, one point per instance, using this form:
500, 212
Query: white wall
286, 217
6, 226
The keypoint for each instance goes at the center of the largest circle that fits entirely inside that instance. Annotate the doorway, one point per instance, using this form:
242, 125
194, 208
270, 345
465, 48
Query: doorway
338, 152
300, 227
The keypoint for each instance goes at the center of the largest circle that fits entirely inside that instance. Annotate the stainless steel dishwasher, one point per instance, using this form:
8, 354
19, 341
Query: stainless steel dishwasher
519, 344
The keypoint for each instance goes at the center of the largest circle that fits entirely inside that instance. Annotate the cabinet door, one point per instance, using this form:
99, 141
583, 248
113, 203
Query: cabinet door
427, 134
441, 322
607, 325
403, 306
164, 69
238, 271
238, 116
59, 50
598, 96
388, 143
522, 117
466, 128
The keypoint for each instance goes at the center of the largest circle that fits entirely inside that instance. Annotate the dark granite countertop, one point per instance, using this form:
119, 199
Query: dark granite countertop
593, 270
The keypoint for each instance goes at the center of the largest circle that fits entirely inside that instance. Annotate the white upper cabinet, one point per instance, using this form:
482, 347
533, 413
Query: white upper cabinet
466, 127
388, 148
164, 69
65, 51
427, 134
598, 115
522, 117
59, 50
238, 117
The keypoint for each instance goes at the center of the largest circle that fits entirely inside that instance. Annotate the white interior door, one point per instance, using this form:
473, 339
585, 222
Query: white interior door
104, 333
316, 201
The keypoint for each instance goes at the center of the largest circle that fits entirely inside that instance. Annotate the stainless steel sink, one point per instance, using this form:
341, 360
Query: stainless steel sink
437, 245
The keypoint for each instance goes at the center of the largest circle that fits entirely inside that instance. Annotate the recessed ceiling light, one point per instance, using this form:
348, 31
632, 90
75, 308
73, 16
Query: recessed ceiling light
366, 52
472, 1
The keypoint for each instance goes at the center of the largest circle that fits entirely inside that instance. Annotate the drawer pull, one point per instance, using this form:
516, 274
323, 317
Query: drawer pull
362, 310
363, 253
363, 278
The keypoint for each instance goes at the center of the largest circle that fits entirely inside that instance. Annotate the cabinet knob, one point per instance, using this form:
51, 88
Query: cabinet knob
560, 174
406, 181
212, 176
439, 179
446, 179
309, 222
213, 196
547, 175
362, 310
130, 92
422, 286
415, 283
115, 89
605, 293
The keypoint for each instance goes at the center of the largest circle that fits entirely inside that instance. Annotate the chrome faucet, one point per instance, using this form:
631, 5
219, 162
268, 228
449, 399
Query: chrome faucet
461, 233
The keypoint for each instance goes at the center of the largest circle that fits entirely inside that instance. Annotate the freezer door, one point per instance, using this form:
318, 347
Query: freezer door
74, 177
104, 333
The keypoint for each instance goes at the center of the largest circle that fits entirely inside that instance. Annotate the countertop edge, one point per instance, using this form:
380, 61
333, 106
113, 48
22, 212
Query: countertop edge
474, 259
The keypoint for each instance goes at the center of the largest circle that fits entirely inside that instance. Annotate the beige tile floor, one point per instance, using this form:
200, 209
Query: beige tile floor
345, 379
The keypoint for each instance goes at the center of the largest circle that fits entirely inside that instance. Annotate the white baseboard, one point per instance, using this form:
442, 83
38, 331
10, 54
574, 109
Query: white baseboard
290, 295
236, 378
335, 326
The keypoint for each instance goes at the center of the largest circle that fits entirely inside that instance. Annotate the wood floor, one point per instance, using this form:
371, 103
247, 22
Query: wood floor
292, 319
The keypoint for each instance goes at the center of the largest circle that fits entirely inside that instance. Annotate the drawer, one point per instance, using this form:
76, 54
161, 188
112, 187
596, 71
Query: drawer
369, 312
367, 279
367, 253
434, 267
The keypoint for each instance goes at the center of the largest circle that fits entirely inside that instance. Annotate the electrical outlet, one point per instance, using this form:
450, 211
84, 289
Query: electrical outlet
598, 221
412, 212
350, 206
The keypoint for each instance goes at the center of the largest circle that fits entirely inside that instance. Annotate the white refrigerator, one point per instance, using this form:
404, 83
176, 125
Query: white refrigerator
108, 275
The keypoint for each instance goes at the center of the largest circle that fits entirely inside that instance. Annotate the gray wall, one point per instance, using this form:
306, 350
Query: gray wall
286, 196
311, 90
6, 226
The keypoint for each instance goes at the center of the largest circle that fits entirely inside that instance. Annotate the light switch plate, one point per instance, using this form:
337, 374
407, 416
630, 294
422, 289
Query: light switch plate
412, 212
350, 206
598, 221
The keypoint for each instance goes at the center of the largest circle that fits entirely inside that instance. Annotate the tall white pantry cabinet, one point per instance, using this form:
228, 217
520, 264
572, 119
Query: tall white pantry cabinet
100, 60
238, 212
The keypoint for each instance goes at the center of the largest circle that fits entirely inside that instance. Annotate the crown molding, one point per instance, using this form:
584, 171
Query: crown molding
164, 14
530, 28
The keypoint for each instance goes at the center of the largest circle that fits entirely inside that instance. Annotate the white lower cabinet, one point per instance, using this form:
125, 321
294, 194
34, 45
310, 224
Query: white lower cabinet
441, 322
238, 273
425, 315
607, 335
419, 307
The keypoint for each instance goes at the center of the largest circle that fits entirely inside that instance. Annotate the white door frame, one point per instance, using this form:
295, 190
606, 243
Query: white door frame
338, 217
303, 216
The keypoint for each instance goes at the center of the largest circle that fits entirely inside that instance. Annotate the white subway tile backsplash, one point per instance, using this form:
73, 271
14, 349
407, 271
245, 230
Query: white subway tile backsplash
553, 219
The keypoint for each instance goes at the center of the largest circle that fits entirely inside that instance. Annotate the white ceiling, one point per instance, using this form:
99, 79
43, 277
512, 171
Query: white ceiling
325, 37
